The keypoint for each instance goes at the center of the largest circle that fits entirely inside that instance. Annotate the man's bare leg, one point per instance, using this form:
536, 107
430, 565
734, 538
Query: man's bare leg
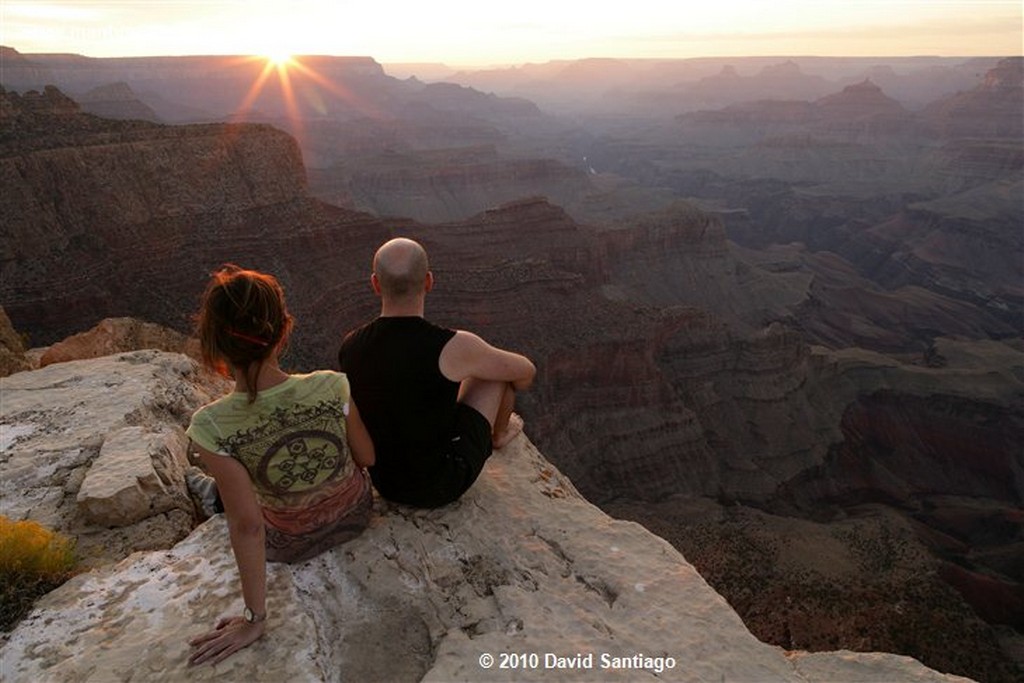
506, 424
494, 400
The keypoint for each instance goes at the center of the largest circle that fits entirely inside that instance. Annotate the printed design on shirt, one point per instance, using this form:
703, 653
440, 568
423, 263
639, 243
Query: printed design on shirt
294, 450
301, 461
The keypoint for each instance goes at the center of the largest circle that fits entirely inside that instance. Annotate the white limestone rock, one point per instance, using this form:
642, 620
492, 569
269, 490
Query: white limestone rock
522, 566
54, 423
137, 474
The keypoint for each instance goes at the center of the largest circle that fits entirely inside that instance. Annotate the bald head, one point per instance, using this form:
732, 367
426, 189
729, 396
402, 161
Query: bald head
401, 267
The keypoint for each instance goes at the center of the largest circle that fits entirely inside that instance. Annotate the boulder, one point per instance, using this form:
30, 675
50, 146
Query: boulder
137, 474
117, 335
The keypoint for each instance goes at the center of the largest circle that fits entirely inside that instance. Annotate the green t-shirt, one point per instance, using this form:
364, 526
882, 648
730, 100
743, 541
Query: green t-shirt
294, 444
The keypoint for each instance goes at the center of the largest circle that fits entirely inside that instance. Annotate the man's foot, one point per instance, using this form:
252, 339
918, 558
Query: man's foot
512, 429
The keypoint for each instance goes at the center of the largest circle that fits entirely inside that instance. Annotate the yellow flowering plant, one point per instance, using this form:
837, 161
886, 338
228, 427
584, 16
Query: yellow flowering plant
33, 561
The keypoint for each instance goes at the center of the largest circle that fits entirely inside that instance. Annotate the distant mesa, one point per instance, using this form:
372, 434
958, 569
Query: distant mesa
785, 81
116, 101
863, 108
10, 56
859, 109
594, 70
864, 93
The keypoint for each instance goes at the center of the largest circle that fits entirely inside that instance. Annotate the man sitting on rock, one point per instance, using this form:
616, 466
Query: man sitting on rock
435, 401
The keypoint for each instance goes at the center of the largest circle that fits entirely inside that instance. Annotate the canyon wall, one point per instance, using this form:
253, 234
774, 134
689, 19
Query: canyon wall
104, 218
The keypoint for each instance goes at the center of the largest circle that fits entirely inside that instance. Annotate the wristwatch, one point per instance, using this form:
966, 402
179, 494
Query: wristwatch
252, 617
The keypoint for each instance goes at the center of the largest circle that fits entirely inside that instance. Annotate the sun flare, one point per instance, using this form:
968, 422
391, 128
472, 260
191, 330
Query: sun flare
278, 59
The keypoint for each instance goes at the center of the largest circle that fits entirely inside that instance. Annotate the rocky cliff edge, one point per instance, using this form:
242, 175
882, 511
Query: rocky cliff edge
522, 579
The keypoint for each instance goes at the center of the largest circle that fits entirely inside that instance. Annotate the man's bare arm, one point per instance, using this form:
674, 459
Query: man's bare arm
467, 355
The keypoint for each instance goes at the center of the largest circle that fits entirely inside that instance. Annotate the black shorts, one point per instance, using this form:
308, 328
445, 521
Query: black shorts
451, 471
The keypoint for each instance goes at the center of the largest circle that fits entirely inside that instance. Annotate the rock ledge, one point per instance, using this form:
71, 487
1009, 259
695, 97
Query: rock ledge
522, 565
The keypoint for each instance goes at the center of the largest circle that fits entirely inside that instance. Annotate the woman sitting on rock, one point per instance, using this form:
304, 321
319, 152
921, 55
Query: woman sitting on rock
287, 452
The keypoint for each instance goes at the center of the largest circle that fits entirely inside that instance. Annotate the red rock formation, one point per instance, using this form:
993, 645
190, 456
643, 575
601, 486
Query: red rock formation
966, 246
116, 335
904, 446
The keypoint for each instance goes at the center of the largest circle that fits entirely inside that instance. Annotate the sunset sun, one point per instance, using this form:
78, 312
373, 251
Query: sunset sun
278, 59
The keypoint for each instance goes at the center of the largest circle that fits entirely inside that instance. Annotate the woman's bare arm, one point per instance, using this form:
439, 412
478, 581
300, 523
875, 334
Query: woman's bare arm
245, 526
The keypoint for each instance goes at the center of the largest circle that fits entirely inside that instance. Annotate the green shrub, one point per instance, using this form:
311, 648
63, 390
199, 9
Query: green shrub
33, 561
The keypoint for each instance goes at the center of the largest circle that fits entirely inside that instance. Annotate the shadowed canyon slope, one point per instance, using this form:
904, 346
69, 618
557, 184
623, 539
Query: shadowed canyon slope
693, 373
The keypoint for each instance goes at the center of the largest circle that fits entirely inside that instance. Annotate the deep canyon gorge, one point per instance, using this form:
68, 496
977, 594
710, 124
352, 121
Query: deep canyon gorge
777, 306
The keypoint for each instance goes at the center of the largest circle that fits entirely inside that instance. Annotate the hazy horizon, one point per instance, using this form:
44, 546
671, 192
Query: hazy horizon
463, 34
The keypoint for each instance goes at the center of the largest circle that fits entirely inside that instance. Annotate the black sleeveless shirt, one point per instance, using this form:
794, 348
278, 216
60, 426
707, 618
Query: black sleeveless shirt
408, 406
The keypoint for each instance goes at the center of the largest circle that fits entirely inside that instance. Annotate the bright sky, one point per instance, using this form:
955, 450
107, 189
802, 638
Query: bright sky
480, 32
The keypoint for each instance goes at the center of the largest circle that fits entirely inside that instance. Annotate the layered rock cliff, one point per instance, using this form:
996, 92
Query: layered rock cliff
104, 218
907, 235
966, 246
444, 185
991, 109
860, 112
522, 579
913, 515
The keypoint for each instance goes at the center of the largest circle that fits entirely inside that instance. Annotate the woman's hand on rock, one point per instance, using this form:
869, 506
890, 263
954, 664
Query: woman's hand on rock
231, 635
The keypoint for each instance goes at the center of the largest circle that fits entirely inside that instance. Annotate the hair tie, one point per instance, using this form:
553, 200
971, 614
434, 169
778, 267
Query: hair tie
248, 338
